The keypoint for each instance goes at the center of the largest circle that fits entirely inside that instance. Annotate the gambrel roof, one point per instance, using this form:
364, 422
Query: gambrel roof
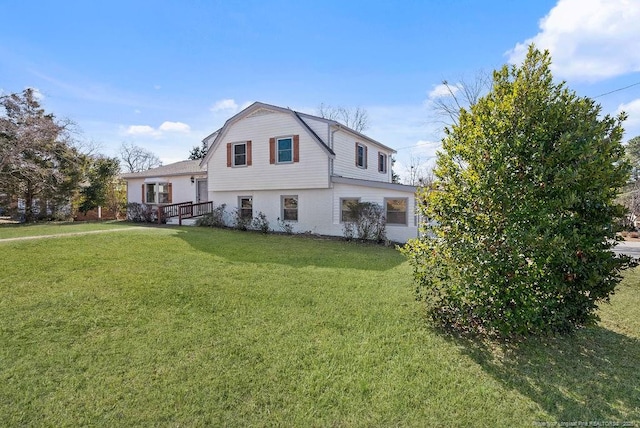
213, 139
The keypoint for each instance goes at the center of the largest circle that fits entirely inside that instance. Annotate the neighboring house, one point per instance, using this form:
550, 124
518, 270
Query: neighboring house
184, 181
290, 166
304, 169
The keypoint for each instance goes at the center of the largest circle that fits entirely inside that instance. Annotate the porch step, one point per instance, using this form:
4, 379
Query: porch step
173, 221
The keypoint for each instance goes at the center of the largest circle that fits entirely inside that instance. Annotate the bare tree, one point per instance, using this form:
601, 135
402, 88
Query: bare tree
136, 159
418, 173
460, 95
355, 118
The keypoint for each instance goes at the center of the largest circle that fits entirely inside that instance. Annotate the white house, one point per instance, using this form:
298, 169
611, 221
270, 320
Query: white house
304, 169
288, 165
178, 182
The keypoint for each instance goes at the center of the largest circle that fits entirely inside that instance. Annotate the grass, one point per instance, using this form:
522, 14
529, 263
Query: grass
194, 326
54, 228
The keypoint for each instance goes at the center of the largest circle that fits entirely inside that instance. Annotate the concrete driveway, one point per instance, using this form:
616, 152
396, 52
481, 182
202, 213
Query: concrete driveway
630, 248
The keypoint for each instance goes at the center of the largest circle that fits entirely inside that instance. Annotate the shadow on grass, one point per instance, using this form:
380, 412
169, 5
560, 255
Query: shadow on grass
590, 376
292, 250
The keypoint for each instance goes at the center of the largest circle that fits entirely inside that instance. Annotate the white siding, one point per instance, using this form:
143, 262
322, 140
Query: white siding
311, 172
314, 207
395, 233
182, 190
345, 162
319, 127
319, 209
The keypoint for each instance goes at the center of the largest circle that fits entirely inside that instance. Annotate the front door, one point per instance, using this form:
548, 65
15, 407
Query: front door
201, 193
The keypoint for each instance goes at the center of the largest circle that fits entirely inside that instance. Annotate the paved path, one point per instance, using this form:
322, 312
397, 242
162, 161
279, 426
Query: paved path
630, 248
59, 235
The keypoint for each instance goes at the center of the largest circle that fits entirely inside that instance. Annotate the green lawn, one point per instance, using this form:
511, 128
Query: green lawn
194, 326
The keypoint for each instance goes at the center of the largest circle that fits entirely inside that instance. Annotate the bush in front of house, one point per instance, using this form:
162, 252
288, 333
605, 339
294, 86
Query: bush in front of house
260, 222
523, 206
367, 222
216, 218
140, 213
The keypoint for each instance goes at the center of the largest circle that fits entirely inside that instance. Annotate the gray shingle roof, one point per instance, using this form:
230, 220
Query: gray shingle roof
188, 167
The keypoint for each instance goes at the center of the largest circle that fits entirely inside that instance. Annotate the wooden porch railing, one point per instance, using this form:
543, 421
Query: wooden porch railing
171, 210
194, 210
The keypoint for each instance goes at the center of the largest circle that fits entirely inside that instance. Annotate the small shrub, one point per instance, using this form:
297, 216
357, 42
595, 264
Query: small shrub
285, 226
240, 222
369, 222
214, 218
349, 230
140, 213
260, 223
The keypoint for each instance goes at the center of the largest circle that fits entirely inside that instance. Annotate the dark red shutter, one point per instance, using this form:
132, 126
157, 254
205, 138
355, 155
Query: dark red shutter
365, 157
228, 154
357, 154
296, 148
272, 150
143, 193
249, 153
169, 190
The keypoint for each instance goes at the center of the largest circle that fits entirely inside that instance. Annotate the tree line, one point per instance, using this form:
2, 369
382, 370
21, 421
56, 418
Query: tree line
47, 172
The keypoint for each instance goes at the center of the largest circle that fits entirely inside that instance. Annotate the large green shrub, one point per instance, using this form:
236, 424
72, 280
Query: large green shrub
520, 218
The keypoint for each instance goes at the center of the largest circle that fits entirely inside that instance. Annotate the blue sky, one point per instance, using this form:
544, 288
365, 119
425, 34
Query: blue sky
165, 74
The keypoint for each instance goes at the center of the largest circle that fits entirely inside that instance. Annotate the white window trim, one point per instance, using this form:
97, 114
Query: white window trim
156, 192
277, 149
282, 198
406, 213
233, 154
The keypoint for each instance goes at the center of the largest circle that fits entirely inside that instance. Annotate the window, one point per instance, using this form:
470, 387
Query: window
245, 205
156, 193
285, 150
382, 162
361, 155
290, 208
240, 154
150, 197
163, 193
346, 209
396, 211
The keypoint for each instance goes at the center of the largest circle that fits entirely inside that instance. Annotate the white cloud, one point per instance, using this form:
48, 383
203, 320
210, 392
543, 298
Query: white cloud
442, 90
142, 130
632, 124
150, 131
225, 105
174, 127
588, 39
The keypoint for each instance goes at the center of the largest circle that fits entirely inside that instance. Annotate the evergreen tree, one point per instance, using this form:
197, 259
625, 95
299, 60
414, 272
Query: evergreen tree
520, 216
